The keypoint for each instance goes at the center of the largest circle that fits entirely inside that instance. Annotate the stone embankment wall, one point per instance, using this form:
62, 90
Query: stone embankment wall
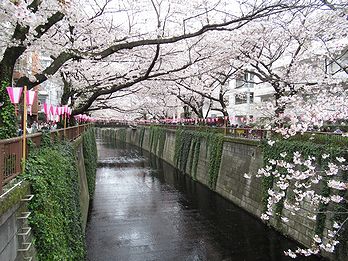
84, 192
14, 235
238, 157
16, 238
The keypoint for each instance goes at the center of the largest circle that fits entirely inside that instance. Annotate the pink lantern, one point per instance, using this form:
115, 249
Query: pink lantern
46, 110
59, 110
65, 109
30, 99
68, 112
53, 110
15, 94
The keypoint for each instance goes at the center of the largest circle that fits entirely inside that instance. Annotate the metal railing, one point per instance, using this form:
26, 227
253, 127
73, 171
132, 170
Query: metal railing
247, 133
11, 150
243, 133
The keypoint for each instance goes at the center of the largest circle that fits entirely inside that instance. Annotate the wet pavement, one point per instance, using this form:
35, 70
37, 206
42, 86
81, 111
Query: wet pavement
144, 209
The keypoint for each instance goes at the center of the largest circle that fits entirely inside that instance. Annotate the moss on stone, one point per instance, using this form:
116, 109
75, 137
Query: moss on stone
14, 197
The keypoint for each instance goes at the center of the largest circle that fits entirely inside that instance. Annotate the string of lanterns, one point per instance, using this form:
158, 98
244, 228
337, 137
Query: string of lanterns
201, 120
53, 113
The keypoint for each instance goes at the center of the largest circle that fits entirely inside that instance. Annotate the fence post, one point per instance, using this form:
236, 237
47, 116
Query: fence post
2, 165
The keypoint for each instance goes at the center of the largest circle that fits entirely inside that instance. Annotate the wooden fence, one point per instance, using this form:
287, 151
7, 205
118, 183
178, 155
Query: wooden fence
11, 151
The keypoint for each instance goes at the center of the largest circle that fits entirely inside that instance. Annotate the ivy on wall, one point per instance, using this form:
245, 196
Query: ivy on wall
91, 156
188, 147
141, 136
8, 121
121, 135
312, 146
183, 141
156, 140
56, 215
215, 142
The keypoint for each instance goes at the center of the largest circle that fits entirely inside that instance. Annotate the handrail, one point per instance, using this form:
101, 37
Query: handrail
11, 151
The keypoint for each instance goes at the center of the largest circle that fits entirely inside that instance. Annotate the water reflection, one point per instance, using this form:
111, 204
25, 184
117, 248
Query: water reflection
145, 210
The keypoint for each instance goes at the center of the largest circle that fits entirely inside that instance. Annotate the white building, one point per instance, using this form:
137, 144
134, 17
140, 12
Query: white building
247, 93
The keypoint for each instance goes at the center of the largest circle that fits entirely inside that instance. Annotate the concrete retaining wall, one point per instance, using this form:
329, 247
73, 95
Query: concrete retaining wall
13, 208
84, 194
14, 238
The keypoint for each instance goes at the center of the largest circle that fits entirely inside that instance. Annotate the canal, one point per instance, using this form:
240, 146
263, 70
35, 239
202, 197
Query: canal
143, 209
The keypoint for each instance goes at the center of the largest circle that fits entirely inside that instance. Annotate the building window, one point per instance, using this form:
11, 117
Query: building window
246, 80
251, 97
244, 98
240, 98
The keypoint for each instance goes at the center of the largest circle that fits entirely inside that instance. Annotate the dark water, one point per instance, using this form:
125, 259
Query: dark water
144, 209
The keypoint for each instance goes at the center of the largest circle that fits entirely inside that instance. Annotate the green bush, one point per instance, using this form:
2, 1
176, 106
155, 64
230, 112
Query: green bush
8, 121
56, 215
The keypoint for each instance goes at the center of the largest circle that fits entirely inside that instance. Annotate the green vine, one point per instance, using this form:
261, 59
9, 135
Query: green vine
196, 149
56, 215
157, 140
141, 136
8, 120
187, 149
183, 140
46, 139
122, 135
91, 156
215, 152
56, 137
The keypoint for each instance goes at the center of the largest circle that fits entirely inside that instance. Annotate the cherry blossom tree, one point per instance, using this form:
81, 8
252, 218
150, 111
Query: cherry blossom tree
76, 35
213, 88
292, 53
314, 93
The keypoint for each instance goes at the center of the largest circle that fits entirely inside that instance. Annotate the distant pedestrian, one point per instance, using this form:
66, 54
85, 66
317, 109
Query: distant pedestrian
338, 131
29, 129
34, 127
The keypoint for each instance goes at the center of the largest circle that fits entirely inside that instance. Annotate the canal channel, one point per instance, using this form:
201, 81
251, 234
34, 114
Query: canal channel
144, 209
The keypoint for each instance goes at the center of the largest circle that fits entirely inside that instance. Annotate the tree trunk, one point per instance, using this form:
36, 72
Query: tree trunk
67, 91
8, 63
